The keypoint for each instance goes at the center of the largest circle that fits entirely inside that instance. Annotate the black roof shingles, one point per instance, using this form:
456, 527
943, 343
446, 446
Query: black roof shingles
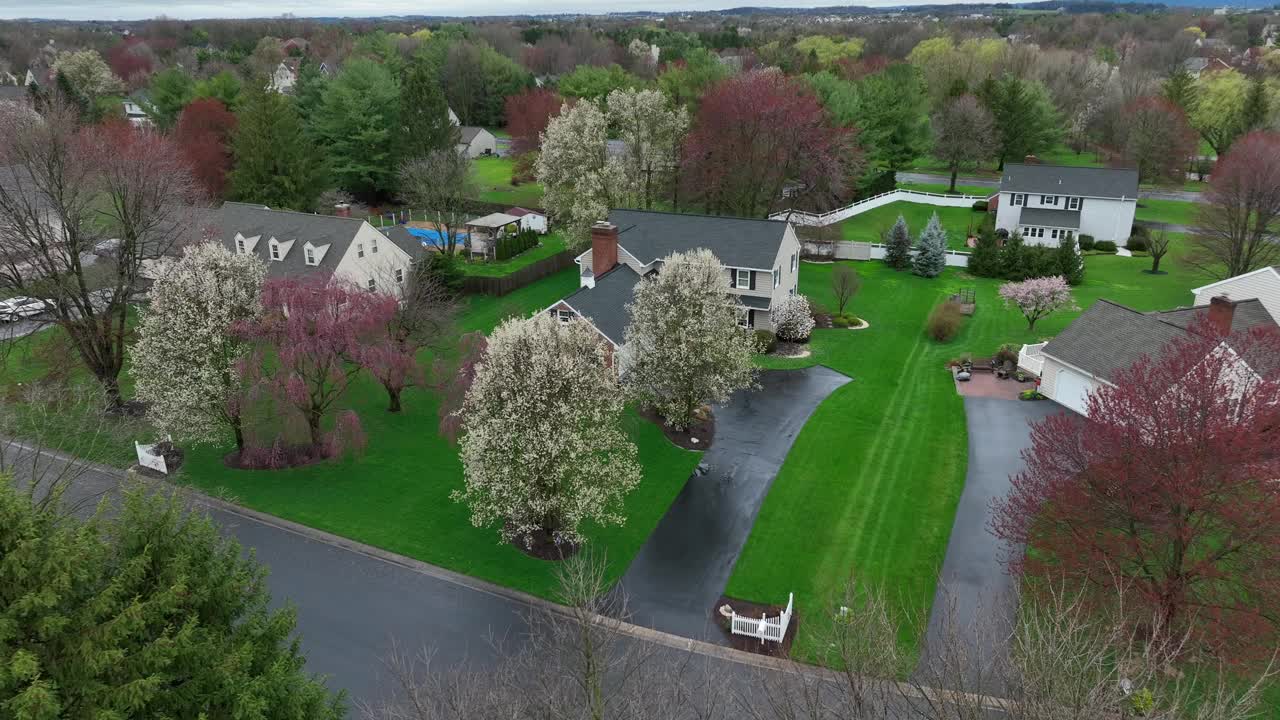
1065, 180
285, 225
605, 305
1109, 337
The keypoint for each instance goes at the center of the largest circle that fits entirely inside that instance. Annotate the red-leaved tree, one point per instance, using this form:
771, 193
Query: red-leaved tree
308, 343
1168, 489
1156, 138
527, 116
1237, 225
204, 132
758, 133
131, 61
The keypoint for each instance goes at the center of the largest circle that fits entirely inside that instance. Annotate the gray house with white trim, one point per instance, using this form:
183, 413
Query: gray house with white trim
1049, 203
761, 257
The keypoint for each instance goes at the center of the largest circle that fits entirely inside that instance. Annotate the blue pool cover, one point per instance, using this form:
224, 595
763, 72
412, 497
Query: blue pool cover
432, 237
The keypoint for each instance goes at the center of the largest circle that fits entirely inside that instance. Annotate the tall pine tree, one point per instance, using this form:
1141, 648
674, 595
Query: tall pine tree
1180, 89
897, 250
424, 113
1256, 107
1026, 121
1070, 264
275, 164
931, 254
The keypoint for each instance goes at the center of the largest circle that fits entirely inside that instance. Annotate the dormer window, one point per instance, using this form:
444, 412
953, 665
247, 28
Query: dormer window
240, 246
275, 250
309, 255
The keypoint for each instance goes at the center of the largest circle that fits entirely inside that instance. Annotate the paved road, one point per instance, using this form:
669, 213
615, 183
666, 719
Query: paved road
683, 568
973, 584
1155, 194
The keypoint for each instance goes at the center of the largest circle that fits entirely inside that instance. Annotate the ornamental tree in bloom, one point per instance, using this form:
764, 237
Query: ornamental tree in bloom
1038, 297
309, 338
684, 347
792, 318
1166, 489
186, 360
543, 448
582, 183
423, 318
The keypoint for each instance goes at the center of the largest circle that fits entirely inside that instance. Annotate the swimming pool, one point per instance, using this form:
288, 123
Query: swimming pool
433, 237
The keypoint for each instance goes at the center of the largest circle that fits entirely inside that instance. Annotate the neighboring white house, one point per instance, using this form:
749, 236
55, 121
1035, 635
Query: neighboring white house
295, 244
1262, 284
476, 141
1109, 337
530, 219
285, 76
134, 113
1048, 203
762, 258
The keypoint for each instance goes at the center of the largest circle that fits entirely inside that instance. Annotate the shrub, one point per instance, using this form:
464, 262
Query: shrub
1030, 395
980, 206
1086, 242
840, 321
1137, 242
1105, 246
944, 321
1007, 352
1070, 264
766, 341
792, 319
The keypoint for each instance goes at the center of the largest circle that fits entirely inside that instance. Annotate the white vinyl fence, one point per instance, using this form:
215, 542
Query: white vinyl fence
846, 250
766, 628
1031, 359
832, 217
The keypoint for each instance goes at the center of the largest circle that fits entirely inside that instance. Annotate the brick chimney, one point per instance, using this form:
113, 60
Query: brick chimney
1221, 312
342, 210
604, 247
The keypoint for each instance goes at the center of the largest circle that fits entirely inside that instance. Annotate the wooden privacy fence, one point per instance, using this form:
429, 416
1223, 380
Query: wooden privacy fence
499, 286
766, 628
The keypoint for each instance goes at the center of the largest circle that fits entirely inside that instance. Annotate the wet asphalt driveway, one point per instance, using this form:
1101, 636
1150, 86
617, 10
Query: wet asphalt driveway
684, 566
974, 589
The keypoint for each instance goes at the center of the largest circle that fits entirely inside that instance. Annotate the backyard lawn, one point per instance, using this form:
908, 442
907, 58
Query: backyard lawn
1173, 212
493, 175
551, 244
871, 225
870, 487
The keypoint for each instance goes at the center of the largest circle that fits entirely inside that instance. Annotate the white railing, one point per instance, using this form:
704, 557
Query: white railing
766, 628
1031, 359
846, 250
831, 217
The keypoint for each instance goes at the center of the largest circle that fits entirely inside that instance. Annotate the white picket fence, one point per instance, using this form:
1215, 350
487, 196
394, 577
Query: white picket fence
834, 216
766, 628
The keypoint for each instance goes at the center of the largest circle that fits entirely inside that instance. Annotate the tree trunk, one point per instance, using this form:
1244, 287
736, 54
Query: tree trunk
238, 429
955, 169
111, 389
313, 428
1155, 264
393, 399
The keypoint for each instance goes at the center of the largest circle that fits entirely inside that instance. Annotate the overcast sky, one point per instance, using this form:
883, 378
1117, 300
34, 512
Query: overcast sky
186, 9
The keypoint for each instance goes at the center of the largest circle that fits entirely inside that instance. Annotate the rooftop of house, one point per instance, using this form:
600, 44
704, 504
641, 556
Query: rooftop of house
1068, 180
13, 92
1048, 217
1109, 337
738, 242
468, 133
605, 305
521, 212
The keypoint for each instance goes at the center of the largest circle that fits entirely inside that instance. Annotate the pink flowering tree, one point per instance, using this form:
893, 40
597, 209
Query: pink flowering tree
1038, 297
422, 317
308, 347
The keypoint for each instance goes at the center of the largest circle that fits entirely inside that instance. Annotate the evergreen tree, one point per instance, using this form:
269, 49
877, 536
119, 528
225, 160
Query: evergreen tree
309, 91
1180, 89
984, 261
1026, 121
1256, 107
1070, 264
150, 614
897, 251
424, 113
358, 124
275, 164
931, 254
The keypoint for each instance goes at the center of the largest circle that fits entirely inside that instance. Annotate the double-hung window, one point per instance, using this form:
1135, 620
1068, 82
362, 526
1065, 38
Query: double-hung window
795, 260
275, 251
374, 247
1019, 199
373, 284
777, 277
1049, 200
742, 278
1073, 203
359, 249
399, 276
240, 245
309, 255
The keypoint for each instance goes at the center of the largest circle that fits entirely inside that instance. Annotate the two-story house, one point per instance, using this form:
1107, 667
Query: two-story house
1048, 203
295, 244
761, 257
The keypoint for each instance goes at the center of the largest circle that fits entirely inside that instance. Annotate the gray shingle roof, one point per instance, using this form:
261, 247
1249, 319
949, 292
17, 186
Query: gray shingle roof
286, 225
605, 305
1109, 337
1047, 217
737, 242
753, 301
1062, 180
13, 92
412, 246
468, 133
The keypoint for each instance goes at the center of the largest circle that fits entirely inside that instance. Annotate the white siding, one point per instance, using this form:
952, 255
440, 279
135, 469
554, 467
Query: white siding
380, 265
1103, 218
1264, 285
1064, 385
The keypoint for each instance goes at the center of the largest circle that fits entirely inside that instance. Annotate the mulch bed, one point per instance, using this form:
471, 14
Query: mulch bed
791, 350
704, 432
750, 644
822, 320
543, 547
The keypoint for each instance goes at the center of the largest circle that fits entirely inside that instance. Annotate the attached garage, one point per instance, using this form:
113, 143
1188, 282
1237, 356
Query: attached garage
1071, 389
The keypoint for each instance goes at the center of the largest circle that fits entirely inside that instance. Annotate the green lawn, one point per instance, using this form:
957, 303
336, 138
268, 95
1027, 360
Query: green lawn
493, 175
1167, 211
871, 484
871, 225
551, 244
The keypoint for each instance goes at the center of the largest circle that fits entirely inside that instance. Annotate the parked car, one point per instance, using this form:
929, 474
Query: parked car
19, 308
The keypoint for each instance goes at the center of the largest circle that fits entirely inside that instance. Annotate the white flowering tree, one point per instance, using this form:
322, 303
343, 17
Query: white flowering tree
543, 447
185, 360
931, 254
684, 347
581, 183
653, 132
792, 318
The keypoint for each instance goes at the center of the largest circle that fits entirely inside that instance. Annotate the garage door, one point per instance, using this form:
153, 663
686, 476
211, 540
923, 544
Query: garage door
1072, 390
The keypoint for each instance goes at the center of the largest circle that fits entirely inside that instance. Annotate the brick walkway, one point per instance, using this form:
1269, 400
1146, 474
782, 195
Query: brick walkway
987, 385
